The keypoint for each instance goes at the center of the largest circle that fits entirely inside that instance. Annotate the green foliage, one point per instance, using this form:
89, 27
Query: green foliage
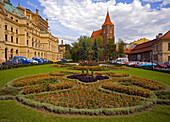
67, 54
121, 48
126, 83
83, 51
75, 51
100, 45
95, 51
111, 49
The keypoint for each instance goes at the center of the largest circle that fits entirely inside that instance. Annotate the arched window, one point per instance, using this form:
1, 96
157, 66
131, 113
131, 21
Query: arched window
16, 51
35, 53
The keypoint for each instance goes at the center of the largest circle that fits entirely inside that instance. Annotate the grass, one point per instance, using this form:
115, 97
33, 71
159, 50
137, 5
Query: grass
11, 111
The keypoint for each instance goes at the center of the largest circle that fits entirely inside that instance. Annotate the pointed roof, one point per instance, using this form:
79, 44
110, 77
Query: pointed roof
107, 20
166, 36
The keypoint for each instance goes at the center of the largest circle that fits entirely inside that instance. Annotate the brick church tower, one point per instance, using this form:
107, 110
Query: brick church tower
107, 30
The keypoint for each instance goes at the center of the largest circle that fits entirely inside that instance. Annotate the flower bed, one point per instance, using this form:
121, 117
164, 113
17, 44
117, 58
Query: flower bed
120, 75
70, 72
55, 73
91, 68
80, 98
47, 87
146, 83
131, 90
104, 73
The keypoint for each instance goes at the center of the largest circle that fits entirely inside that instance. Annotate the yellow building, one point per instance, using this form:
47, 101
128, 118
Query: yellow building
24, 33
161, 48
140, 41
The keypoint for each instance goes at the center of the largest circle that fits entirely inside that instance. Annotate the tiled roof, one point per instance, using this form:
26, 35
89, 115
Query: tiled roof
166, 36
96, 34
126, 51
144, 47
107, 20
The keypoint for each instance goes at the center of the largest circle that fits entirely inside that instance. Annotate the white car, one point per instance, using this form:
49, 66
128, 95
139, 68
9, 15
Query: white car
34, 61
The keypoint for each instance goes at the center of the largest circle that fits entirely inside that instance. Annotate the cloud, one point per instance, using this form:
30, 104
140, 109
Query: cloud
31, 4
152, 1
132, 21
165, 2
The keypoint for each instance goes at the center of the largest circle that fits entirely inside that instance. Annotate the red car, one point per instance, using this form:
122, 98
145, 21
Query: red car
161, 65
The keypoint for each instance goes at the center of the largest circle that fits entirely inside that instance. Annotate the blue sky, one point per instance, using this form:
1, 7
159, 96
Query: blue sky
133, 19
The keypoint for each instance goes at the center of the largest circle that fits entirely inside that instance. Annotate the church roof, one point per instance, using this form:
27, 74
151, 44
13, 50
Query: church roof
96, 34
107, 20
166, 36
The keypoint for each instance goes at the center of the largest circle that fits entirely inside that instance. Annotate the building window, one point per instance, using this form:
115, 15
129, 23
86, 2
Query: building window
27, 24
27, 42
155, 57
16, 31
11, 38
156, 47
38, 53
11, 17
168, 46
35, 53
104, 32
110, 31
11, 29
5, 27
27, 34
16, 51
16, 20
17, 40
6, 37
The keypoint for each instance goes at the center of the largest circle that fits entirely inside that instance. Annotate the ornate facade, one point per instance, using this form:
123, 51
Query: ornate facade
24, 33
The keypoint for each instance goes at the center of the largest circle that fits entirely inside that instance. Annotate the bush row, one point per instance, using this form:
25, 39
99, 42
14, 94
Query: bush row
127, 89
91, 68
62, 110
21, 65
104, 73
70, 72
146, 83
55, 73
9, 97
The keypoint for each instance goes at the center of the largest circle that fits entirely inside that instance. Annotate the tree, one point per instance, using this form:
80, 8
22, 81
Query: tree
83, 51
89, 44
68, 47
111, 49
121, 48
100, 45
67, 54
95, 51
75, 51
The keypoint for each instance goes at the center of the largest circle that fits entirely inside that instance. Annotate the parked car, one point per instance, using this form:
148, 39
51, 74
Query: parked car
49, 60
63, 59
23, 59
38, 59
44, 60
122, 60
11, 62
148, 64
167, 63
34, 61
161, 65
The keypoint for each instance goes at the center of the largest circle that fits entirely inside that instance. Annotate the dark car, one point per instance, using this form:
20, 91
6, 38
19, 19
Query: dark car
49, 60
11, 62
167, 63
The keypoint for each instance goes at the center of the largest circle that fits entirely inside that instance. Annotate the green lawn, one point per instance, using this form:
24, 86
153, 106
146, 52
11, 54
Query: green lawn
11, 111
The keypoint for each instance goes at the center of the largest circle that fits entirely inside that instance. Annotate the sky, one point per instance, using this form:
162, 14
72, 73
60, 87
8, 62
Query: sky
133, 19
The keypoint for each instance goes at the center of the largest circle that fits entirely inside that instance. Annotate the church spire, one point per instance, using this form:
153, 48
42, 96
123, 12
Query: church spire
107, 20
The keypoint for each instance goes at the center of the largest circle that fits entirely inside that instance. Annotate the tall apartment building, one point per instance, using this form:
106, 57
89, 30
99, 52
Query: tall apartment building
24, 33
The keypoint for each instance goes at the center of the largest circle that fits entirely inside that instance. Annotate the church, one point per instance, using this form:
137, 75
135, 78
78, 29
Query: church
106, 32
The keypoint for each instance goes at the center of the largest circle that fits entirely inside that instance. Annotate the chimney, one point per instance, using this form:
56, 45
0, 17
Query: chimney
47, 20
61, 42
159, 36
18, 4
37, 11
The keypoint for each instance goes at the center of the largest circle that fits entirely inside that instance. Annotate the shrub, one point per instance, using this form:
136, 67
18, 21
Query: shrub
9, 91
